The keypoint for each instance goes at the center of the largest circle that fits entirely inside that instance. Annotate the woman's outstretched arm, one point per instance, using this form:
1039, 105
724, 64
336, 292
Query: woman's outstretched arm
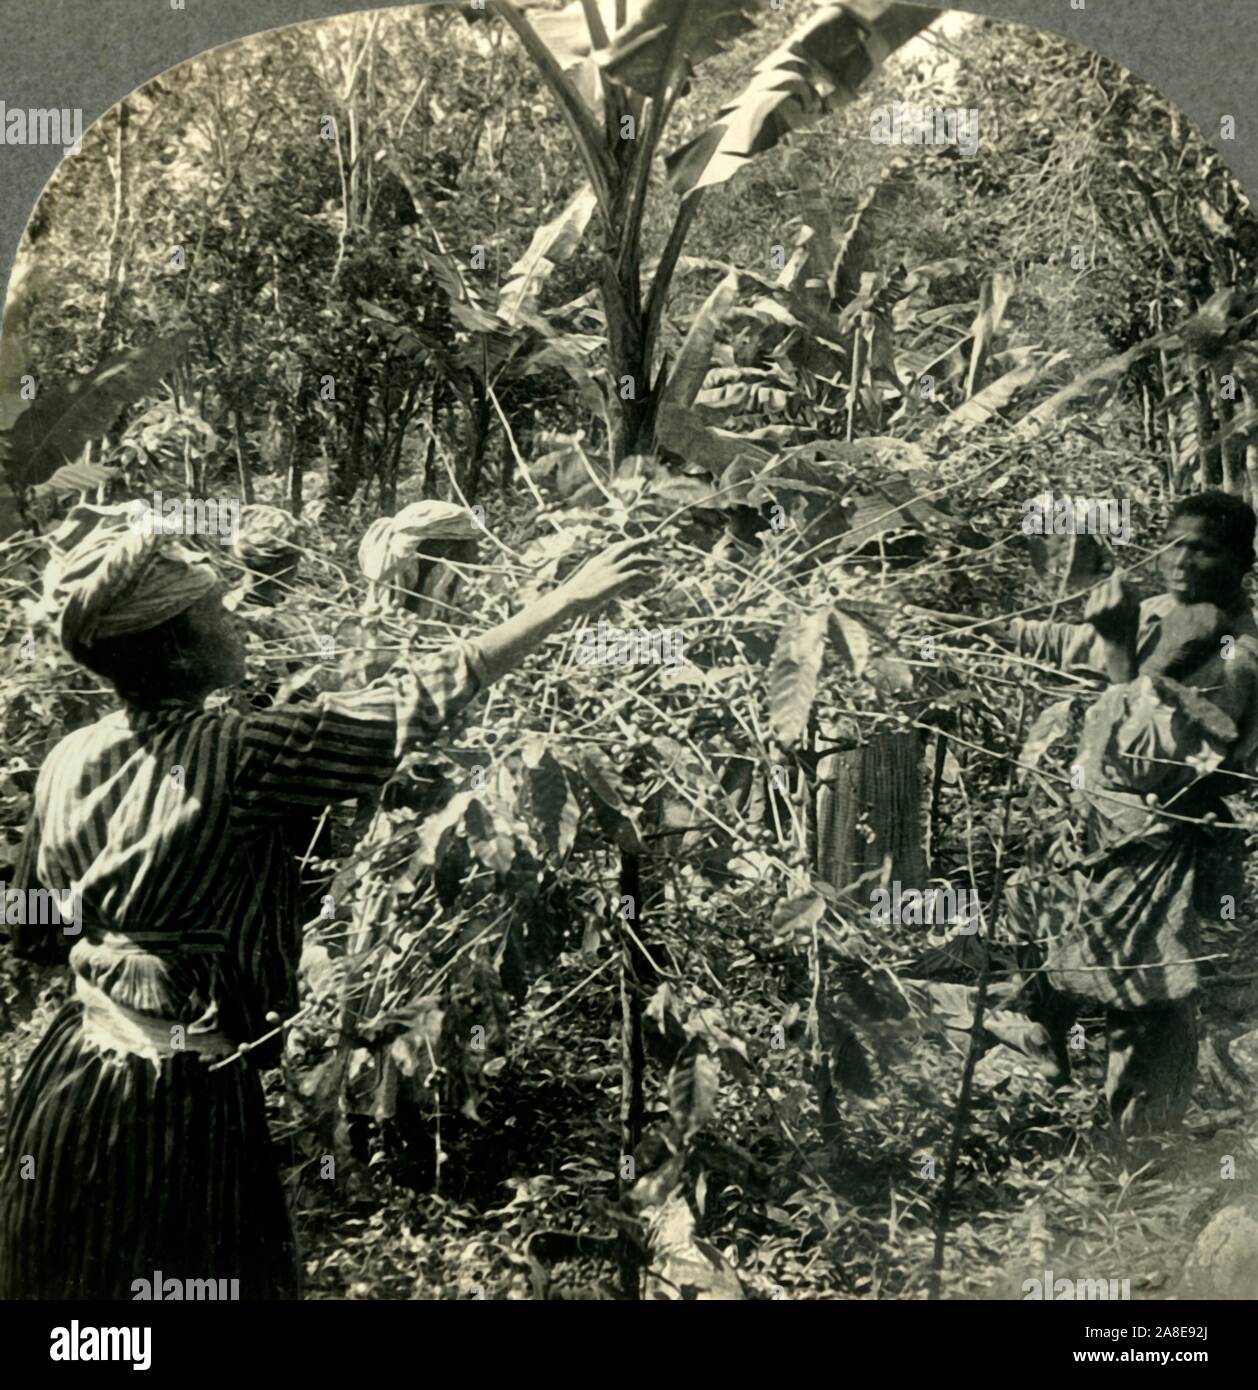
593, 585
339, 746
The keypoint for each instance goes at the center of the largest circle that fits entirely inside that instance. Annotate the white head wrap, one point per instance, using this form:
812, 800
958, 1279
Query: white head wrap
108, 577
265, 536
390, 551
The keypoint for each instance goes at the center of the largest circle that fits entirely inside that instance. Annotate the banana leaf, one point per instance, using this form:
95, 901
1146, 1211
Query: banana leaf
62, 420
690, 369
662, 33
551, 244
819, 69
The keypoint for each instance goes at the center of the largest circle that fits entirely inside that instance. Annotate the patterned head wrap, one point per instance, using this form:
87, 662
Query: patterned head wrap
265, 538
389, 553
108, 577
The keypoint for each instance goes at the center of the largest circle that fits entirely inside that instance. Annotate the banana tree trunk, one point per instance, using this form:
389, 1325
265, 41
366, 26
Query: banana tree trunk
1231, 455
632, 414
869, 809
1209, 456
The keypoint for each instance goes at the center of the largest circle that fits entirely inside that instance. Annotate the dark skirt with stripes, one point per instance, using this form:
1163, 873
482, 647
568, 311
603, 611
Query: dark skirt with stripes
115, 1169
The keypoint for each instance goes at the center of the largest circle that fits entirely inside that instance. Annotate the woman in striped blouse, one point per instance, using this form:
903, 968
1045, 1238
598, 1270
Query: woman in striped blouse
137, 1139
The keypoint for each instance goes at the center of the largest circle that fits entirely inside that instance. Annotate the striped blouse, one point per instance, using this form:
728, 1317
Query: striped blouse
168, 822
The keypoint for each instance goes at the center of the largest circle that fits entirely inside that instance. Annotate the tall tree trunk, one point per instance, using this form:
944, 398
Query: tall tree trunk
114, 275
637, 981
632, 405
242, 469
1209, 455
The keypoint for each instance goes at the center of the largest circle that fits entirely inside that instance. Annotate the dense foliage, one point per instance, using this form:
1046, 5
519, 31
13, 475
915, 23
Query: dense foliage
581, 1011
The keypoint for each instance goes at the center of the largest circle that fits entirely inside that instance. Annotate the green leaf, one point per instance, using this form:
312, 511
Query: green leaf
994, 398
843, 274
711, 1026
566, 32
76, 477
686, 379
489, 836
693, 1083
663, 33
851, 638
820, 68
1107, 373
466, 302
793, 672
10, 510
62, 421
661, 1008
683, 432
611, 809
551, 245
796, 917
435, 830
554, 805
415, 1051
993, 301
844, 1054
890, 675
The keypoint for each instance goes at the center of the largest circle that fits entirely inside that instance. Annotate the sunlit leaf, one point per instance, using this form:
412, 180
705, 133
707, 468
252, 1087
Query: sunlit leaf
793, 673
851, 638
693, 360
552, 244
693, 1084
489, 836
820, 68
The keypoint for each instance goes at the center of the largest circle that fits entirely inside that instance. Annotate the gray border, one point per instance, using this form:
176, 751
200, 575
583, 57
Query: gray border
92, 53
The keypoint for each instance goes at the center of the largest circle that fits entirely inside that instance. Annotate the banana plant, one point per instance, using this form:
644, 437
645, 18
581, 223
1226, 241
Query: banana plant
45, 428
616, 77
495, 342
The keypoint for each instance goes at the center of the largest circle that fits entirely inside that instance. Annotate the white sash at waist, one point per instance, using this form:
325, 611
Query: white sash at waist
114, 1027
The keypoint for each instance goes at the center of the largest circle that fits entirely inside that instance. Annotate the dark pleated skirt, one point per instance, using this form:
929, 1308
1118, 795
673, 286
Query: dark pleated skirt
114, 1169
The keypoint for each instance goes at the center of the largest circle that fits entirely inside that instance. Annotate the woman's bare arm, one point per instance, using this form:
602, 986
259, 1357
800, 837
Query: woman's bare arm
594, 584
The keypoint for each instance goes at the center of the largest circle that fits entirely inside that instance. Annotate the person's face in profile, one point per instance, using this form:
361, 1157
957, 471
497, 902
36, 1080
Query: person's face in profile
216, 642
1199, 567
